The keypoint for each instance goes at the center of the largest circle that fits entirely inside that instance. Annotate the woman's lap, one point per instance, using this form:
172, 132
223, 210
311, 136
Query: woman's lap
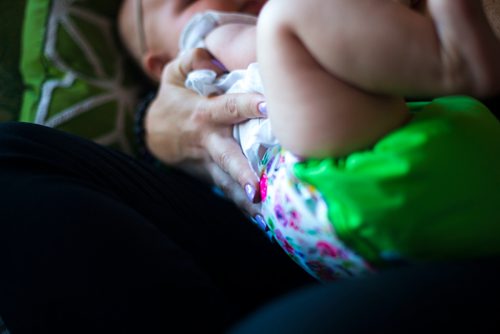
92, 241
90, 238
439, 297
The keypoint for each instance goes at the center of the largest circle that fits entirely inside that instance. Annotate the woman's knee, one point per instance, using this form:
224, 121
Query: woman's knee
9, 129
17, 132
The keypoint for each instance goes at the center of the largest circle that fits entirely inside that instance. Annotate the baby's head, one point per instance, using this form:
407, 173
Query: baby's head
150, 29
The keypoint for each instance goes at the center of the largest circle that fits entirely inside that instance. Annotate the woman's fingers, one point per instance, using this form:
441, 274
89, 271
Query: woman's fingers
227, 154
225, 109
185, 128
177, 70
232, 190
230, 109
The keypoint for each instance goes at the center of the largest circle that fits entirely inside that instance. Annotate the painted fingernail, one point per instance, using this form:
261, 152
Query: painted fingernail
250, 191
219, 65
260, 222
262, 108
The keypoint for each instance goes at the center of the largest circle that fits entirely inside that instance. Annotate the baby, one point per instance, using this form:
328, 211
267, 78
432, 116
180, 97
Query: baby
365, 196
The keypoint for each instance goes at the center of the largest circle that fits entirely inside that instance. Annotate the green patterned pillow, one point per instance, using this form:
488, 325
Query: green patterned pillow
11, 85
76, 76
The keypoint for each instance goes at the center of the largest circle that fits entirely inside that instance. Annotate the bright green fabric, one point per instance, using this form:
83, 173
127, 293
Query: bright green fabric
76, 76
430, 190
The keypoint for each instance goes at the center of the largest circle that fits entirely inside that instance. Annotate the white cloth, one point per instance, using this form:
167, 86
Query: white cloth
254, 136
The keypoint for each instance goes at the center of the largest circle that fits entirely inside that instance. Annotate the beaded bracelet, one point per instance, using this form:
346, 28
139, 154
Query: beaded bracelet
140, 129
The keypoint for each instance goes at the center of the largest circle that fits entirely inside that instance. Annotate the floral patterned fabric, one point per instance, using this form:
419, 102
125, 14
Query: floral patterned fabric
297, 217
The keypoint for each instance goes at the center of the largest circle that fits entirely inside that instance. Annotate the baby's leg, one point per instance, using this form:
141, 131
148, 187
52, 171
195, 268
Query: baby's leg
312, 112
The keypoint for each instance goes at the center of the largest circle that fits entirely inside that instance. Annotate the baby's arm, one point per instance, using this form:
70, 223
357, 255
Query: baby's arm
384, 47
332, 71
234, 45
313, 112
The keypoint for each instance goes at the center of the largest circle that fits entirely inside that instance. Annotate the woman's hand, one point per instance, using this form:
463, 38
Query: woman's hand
194, 133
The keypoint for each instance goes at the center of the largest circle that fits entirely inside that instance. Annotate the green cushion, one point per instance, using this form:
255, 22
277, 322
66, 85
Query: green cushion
76, 75
11, 86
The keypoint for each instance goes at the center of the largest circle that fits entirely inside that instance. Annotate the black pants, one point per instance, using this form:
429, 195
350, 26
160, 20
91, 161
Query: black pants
448, 297
92, 241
